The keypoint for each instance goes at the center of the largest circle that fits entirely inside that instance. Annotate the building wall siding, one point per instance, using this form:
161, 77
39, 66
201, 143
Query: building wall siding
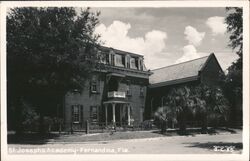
211, 72
87, 99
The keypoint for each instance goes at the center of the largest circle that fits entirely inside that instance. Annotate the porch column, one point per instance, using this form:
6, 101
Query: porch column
128, 107
121, 108
113, 109
106, 114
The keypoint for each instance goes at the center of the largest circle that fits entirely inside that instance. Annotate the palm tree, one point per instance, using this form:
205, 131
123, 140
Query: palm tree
165, 114
181, 103
209, 102
217, 105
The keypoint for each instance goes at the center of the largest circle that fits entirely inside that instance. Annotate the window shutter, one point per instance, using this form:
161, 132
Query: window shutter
90, 86
72, 114
97, 110
81, 113
98, 86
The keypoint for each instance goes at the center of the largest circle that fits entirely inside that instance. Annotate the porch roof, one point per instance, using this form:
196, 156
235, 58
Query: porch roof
116, 100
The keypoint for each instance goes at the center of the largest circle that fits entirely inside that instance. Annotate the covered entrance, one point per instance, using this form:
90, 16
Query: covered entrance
117, 112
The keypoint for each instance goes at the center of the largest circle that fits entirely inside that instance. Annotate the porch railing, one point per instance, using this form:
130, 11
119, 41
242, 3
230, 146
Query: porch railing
116, 94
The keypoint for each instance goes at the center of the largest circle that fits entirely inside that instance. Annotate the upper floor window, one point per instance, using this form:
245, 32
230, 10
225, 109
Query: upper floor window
128, 61
101, 57
133, 63
94, 85
112, 59
140, 64
119, 60
107, 59
141, 91
128, 89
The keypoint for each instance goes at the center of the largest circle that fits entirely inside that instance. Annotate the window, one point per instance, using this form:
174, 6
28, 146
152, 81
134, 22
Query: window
141, 91
107, 58
94, 114
123, 61
119, 60
128, 89
140, 64
94, 85
136, 64
112, 59
101, 57
76, 113
132, 63
128, 61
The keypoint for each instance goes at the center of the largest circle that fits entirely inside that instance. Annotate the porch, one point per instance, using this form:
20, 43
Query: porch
117, 112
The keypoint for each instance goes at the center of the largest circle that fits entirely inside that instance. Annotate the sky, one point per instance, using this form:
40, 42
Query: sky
167, 36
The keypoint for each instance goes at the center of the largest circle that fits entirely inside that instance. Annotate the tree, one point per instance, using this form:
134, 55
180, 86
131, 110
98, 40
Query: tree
49, 52
207, 102
165, 114
234, 23
210, 103
233, 81
180, 103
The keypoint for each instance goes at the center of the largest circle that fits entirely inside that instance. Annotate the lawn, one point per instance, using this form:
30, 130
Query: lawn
82, 137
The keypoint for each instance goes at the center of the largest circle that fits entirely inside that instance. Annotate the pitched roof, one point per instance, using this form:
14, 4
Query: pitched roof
107, 49
177, 73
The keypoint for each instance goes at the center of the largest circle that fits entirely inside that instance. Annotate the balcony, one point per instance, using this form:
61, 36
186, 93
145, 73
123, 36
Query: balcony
116, 94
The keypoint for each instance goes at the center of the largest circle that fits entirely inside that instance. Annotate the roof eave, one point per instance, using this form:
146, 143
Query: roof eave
174, 82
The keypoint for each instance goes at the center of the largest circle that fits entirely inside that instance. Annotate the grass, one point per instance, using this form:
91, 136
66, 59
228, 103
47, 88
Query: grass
82, 137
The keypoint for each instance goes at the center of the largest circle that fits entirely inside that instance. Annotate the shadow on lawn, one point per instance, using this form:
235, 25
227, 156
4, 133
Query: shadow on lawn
30, 138
213, 145
195, 131
188, 132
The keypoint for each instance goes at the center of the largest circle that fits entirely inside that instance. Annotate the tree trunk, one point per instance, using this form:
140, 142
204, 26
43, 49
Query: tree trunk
204, 124
19, 117
183, 122
41, 124
163, 126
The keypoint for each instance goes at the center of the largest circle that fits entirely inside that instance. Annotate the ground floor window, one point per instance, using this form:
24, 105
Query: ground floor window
76, 113
94, 113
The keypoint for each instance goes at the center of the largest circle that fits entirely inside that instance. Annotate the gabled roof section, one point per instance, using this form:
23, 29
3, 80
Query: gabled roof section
179, 73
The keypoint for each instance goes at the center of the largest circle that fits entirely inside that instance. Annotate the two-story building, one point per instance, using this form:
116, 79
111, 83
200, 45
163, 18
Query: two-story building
124, 92
115, 94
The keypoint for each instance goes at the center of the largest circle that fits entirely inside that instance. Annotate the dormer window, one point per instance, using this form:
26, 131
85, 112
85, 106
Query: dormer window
101, 57
119, 60
127, 61
133, 63
107, 59
112, 57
